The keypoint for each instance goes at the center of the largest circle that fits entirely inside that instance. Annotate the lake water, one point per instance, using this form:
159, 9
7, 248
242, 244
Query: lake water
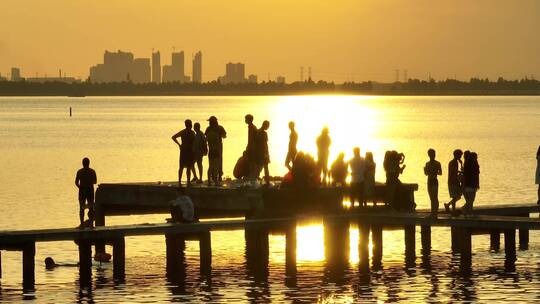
128, 140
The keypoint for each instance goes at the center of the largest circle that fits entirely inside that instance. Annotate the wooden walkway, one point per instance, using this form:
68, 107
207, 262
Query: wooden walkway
368, 220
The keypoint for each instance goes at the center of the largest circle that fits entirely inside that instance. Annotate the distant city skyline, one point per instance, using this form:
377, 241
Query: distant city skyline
340, 41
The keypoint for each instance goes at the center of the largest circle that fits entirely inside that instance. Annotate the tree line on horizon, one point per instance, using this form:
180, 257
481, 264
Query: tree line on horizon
475, 86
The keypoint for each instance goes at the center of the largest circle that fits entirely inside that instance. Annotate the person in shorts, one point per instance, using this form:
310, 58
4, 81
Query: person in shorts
85, 181
455, 177
187, 137
432, 169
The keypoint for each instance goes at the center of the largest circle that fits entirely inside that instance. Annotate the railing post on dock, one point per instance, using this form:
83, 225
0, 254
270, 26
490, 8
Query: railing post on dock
85, 262
425, 234
29, 253
410, 244
290, 252
363, 247
175, 268
464, 240
495, 240
377, 242
119, 258
524, 237
510, 249
205, 253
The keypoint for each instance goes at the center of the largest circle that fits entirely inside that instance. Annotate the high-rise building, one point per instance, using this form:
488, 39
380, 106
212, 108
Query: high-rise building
156, 67
175, 71
15, 74
234, 73
120, 67
197, 67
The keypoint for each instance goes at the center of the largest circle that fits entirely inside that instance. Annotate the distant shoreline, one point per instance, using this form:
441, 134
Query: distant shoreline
475, 87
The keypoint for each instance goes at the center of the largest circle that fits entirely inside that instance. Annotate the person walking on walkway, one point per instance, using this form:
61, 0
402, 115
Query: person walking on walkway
186, 151
432, 169
263, 155
455, 178
537, 180
200, 149
85, 181
215, 134
471, 175
293, 139
323, 151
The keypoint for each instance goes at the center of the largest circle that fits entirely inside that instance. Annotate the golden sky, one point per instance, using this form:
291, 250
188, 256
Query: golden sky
340, 39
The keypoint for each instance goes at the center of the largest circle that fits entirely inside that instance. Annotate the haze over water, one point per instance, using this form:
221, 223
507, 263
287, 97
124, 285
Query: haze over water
128, 140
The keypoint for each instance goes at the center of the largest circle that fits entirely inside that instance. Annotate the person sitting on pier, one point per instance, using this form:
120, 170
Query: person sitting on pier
214, 137
200, 149
241, 168
454, 180
537, 179
186, 151
182, 209
471, 174
291, 153
357, 164
305, 172
323, 150
393, 166
369, 178
263, 155
431, 170
85, 181
251, 147
339, 170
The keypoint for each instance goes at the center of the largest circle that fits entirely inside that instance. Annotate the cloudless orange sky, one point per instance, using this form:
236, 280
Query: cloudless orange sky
341, 39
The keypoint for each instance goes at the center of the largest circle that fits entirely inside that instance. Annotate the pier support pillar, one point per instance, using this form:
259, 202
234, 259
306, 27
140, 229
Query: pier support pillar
363, 248
119, 259
29, 253
336, 242
205, 253
290, 255
463, 236
0, 264
99, 218
175, 265
85, 262
454, 239
377, 245
410, 245
425, 233
257, 253
524, 237
495, 240
510, 249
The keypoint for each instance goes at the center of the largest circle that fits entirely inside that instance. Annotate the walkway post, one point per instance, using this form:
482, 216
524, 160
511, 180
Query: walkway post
119, 259
510, 249
363, 247
29, 253
377, 242
85, 262
410, 244
290, 251
495, 240
205, 252
425, 233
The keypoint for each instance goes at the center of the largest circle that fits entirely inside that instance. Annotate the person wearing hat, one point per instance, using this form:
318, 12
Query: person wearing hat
214, 137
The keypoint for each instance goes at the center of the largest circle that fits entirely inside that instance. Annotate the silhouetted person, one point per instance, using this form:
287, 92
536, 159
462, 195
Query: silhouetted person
251, 147
293, 139
200, 149
339, 170
214, 137
432, 169
186, 151
85, 181
369, 178
358, 173
455, 179
263, 155
537, 180
471, 175
51, 264
393, 167
323, 150
305, 171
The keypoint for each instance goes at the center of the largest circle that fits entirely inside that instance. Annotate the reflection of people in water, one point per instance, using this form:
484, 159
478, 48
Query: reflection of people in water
323, 150
339, 170
51, 264
537, 181
431, 170
293, 139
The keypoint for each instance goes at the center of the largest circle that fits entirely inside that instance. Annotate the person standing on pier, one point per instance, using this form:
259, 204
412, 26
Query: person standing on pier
251, 147
200, 149
369, 178
263, 155
214, 136
454, 180
431, 170
186, 151
471, 175
323, 150
293, 139
85, 181
537, 180
358, 172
